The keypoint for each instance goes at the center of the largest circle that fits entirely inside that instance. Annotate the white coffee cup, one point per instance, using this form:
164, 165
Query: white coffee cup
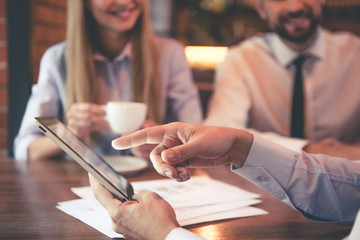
125, 117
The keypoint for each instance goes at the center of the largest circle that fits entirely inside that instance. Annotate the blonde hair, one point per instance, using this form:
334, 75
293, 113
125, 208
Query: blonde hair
82, 85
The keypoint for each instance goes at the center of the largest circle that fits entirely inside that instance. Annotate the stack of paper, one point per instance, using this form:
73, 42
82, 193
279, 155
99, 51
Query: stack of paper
198, 200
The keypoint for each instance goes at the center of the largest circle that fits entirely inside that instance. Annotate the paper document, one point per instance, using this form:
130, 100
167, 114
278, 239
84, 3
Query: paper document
198, 200
355, 231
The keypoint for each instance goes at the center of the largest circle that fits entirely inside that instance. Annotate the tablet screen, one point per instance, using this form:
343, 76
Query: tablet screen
77, 149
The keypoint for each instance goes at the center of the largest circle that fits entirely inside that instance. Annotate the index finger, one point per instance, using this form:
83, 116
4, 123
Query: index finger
153, 135
89, 107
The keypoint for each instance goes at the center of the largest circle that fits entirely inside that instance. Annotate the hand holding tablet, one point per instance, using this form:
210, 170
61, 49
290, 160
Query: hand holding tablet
86, 157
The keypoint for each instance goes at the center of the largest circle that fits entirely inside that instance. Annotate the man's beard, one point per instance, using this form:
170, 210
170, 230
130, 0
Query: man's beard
283, 33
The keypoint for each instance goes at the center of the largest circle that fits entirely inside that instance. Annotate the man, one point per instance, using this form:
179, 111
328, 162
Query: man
254, 84
301, 180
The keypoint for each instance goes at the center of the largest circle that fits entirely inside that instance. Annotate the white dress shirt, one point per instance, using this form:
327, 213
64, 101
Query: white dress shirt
183, 234
180, 99
253, 88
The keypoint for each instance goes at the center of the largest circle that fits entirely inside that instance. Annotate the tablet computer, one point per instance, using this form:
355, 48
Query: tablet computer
86, 157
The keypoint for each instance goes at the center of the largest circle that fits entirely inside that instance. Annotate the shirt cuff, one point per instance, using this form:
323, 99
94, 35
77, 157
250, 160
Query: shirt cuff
21, 147
295, 144
181, 233
276, 160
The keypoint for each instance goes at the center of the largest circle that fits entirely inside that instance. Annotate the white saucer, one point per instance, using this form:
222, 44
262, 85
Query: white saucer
126, 164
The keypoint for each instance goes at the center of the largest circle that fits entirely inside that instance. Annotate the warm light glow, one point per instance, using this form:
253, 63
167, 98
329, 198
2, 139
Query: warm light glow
209, 232
204, 57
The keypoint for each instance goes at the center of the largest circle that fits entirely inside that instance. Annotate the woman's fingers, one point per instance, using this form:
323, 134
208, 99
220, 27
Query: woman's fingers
84, 118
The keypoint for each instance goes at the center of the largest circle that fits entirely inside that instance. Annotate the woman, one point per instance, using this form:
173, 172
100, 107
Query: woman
110, 54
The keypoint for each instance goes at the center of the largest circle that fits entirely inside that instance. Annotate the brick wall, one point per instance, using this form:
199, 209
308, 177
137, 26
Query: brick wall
3, 79
49, 27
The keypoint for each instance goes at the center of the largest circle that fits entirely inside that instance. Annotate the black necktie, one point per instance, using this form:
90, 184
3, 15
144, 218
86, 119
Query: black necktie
297, 111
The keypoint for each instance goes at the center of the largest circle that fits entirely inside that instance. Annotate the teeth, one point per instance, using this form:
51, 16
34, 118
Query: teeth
295, 20
122, 12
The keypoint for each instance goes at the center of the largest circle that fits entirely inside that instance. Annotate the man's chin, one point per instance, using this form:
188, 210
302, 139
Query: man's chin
298, 36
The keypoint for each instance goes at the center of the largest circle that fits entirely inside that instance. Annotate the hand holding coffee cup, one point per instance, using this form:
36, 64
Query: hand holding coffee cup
125, 117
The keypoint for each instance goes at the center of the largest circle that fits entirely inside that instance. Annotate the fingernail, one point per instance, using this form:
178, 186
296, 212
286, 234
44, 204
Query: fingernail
184, 176
168, 174
169, 154
113, 144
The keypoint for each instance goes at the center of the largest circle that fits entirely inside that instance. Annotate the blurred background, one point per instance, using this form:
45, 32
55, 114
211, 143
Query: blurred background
29, 27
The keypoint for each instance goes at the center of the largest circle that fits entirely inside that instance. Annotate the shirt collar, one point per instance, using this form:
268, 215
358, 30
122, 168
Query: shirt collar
285, 55
318, 48
126, 53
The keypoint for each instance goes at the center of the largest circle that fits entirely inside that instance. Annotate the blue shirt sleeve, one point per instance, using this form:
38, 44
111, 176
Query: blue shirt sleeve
47, 98
320, 187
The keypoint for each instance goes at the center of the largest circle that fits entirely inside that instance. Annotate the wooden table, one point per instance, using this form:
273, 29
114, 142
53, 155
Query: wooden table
29, 193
